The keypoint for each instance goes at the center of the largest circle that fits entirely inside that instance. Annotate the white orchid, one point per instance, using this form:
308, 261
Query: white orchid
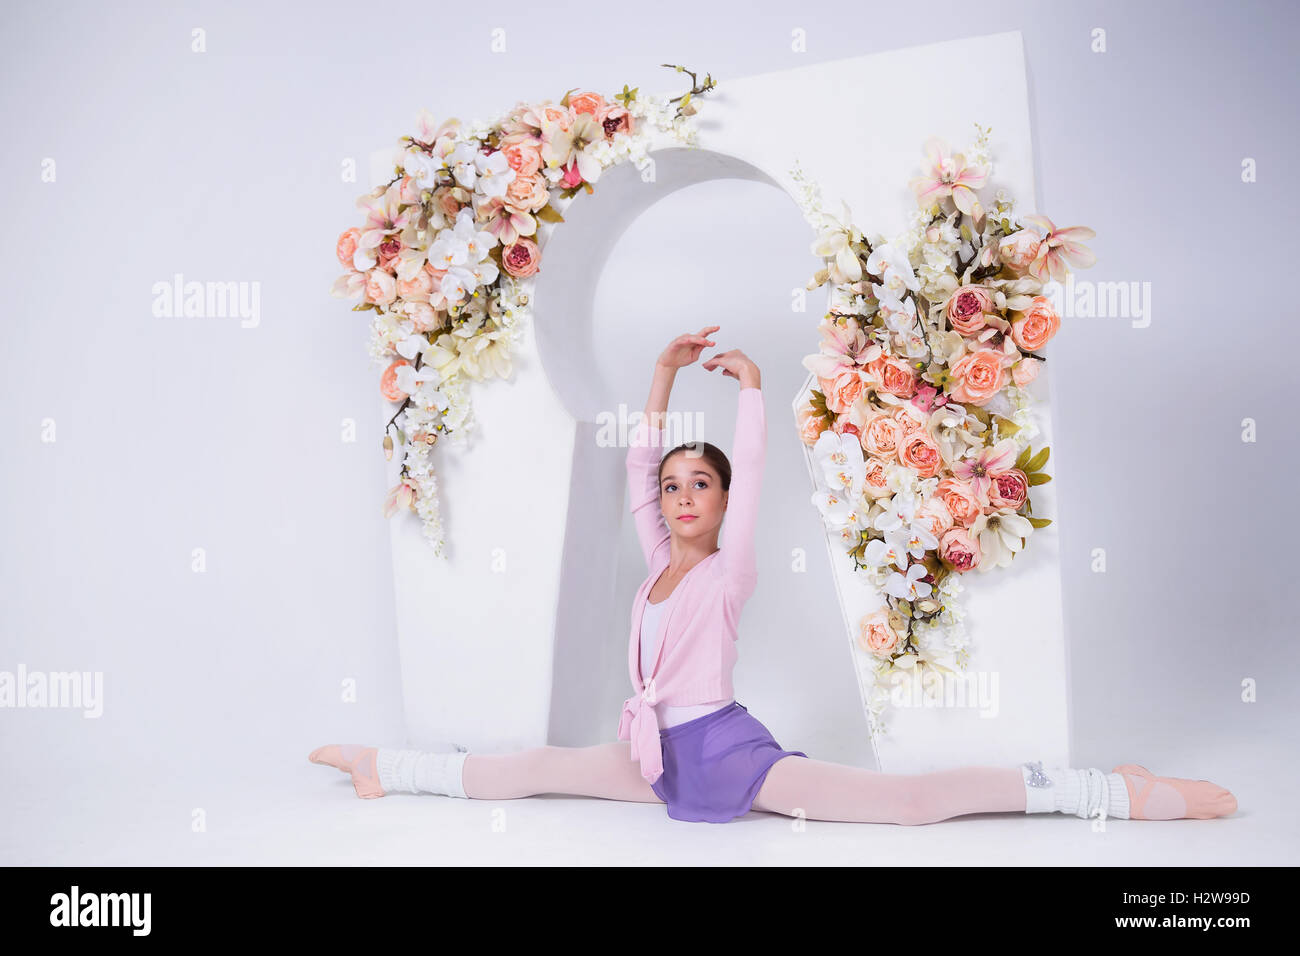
463, 252
909, 586
842, 513
891, 549
840, 457
494, 174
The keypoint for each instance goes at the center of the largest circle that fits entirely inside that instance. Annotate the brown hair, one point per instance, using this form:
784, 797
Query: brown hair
709, 452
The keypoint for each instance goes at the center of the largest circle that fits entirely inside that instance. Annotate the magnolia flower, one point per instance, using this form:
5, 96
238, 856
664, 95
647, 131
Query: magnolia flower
383, 218
948, 174
401, 495
841, 346
1058, 247
562, 146
908, 587
979, 468
834, 244
1001, 535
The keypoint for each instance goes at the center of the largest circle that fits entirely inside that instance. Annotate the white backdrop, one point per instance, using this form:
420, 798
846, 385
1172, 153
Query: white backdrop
529, 595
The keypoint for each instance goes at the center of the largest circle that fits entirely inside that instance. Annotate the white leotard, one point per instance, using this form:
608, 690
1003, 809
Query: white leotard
668, 716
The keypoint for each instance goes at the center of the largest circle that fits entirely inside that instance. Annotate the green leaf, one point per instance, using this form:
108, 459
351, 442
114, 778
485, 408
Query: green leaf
548, 214
1038, 460
1040, 522
1038, 478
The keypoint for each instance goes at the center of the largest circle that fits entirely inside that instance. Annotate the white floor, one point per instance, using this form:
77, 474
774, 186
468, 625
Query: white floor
294, 812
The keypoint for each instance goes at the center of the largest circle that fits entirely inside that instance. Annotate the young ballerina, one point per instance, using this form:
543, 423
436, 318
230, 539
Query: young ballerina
683, 739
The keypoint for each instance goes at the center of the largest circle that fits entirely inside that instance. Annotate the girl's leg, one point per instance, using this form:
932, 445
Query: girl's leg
832, 791
604, 770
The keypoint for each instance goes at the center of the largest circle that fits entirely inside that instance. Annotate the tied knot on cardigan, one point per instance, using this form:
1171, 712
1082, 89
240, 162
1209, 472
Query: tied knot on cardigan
648, 695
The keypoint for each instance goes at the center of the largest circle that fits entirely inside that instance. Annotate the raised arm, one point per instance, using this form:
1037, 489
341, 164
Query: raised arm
645, 450
646, 443
748, 453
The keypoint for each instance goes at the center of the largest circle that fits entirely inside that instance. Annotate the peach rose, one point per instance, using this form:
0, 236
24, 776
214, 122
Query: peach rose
959, 550
388, 382
966, 308
844, 389
615, 119
1008, 490
1024, 371
935, 517
811, 424
876, 636
521, 258
882, 437
1035, 327
381, 288
894, 375
423, 316
586, 103
524, 158
959, 498
980, 375
444, 197
876, 483
528, 193
1018, 250
921, 453
416, 289
557, 114
347, 246
909, 417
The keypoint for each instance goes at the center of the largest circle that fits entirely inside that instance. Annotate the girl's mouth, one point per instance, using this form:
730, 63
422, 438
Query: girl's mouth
686, 517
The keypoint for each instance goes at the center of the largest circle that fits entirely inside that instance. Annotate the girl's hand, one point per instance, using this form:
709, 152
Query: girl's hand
736, 364
685, 349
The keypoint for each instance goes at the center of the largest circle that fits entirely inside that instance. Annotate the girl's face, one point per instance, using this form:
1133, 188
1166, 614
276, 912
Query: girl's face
691, 496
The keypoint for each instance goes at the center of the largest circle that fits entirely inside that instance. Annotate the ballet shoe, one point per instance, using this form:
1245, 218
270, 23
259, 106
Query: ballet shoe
365, 774
338, 756
1202, 800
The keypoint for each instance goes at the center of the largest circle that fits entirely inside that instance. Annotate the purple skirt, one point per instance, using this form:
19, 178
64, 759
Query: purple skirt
715, 765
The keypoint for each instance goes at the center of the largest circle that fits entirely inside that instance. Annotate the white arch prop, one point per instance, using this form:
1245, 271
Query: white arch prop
486, 653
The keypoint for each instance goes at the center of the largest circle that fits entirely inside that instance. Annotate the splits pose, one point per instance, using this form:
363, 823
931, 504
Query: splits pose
683, 739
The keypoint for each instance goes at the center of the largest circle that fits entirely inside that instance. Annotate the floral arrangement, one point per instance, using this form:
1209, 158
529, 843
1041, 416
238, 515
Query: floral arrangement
450, 246
921, 426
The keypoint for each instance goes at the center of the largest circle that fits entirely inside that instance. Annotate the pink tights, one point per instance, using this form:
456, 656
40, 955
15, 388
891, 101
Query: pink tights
795, 786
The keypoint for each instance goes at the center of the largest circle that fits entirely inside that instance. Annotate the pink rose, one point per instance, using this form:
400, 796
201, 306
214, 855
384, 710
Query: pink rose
921, 453
1008, 489
876, 636
959, 550
844, 389
966, 308
980, 376
388, 382
1024, 371
959, 498
524, 158
811, 424
882, 437
1033, 329
843, 426
586, 103
614, 119
347, 246
560, 115
416, 289
389, 250
572, 177
1018, 250
381, 288
935, 517
521, 258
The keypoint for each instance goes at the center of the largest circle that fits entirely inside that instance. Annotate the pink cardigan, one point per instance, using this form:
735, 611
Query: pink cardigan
698, 627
